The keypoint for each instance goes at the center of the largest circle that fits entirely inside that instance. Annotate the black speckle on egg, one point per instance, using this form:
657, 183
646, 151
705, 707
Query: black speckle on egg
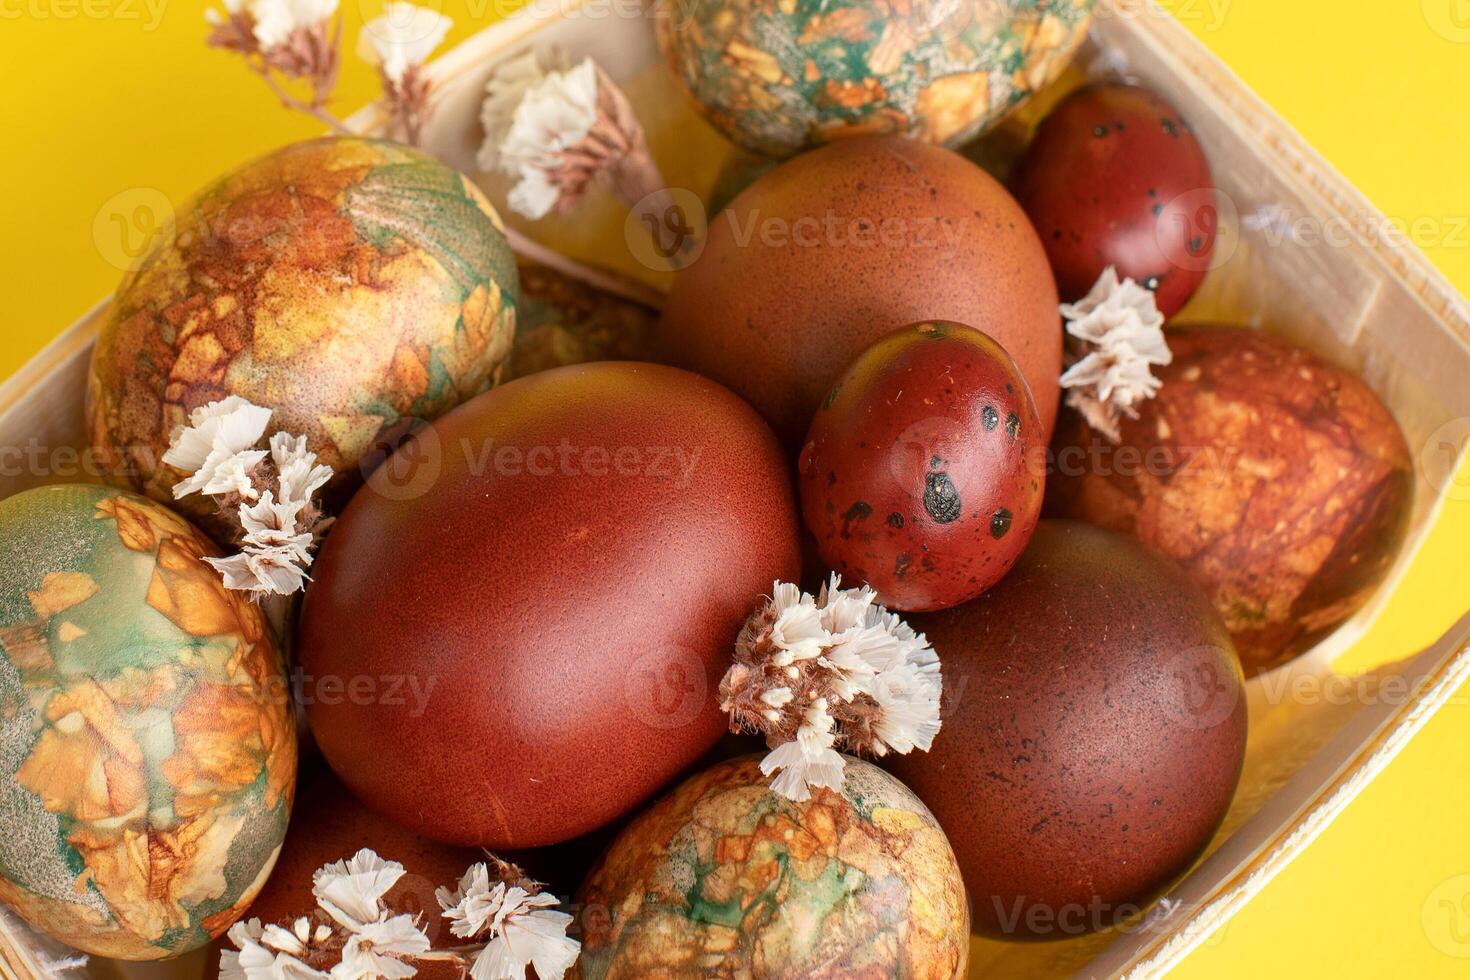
941, 499
895, 519
1000, 523
859, 511
989, 418
1013, 424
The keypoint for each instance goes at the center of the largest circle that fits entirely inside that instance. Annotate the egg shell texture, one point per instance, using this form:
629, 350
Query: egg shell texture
147, 739
343, 283
1278, 481
561, 581
724, 878
1093, 738
781, 77
1115, 176
923, 471
836, 248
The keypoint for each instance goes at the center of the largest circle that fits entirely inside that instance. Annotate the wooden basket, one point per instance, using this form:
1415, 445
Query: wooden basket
1364, 298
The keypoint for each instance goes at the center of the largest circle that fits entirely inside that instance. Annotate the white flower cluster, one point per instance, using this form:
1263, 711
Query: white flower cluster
270, 491
813, 672
531, 116
374, 942
518, 927
1121, 334
275, 22
401, 38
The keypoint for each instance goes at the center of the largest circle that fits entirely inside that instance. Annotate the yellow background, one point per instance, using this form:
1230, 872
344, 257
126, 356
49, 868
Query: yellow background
109, 97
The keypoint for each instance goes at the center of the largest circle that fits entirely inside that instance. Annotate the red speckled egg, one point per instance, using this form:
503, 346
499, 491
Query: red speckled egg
1115, 177
327, 826
822, 256
521, 637
1093, 736
1279, 483
923, 471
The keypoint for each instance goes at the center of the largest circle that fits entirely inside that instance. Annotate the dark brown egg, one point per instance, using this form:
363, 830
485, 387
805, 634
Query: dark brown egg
1279, 482
828, 252
922, 474
521, 637
1094, 731
1116, 177
327, 826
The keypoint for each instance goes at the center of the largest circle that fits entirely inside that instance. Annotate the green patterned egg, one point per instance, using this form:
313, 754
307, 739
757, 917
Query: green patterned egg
147, 740
346, 284
724, 878
778, 76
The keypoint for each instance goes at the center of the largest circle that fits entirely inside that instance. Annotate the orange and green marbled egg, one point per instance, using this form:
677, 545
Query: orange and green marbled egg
779, 76
147, 741
724, 878
347, 284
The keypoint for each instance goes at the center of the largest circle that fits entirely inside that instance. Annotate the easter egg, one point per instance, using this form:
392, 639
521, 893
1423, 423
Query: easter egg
346, 284
1115, 177
328, 825
832, 250
147, 739
725, 878
923, 471
569, 565
1279, 482
1094, 738
779, 78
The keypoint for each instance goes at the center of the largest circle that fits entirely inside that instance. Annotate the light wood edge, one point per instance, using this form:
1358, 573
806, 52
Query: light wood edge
39, 369
17, 961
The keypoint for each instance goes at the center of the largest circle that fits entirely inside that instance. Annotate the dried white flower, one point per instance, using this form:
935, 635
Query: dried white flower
520, 926
531, 117
401, 38
275, 21
1119, 336
352, 891
375, 949
266, 493
813, 673
215, 448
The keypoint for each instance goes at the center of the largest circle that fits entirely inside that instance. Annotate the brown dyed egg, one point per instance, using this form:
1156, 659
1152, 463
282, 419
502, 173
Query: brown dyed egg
518, 627
922, 474
825, 254
1278, 481
1116, 177
328, 826
1093, 734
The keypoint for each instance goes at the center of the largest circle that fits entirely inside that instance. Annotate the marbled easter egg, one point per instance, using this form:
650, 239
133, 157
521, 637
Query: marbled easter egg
778, 78
725, 878
147, 741
346, 284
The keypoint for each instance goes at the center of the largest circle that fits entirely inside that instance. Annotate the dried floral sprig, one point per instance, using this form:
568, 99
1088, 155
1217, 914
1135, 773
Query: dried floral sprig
285, 41
834, 671
1117, 335
293, 41
558, 130
503, 913
497, 904
266, 495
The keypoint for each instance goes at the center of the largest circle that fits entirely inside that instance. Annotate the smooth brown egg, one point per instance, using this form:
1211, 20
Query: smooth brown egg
830, 251
1278, 481
520, 638
1094, 731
